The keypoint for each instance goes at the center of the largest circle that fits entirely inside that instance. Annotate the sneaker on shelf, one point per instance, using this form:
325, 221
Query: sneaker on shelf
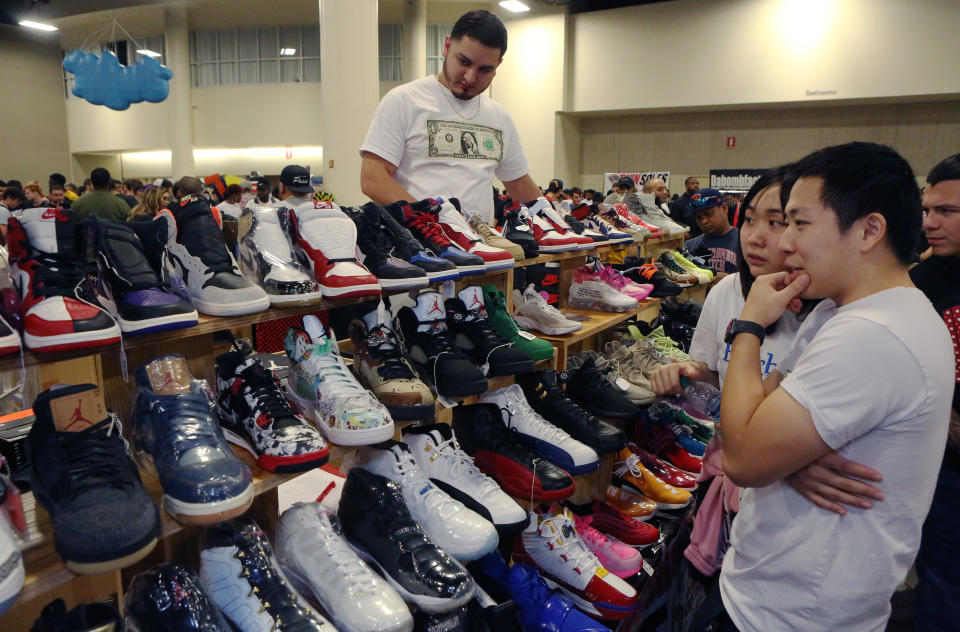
406, 246
589, 387
544, 438
676, 272
266, 256
392, 272
318, 561
551, 545
501, 320
599, 237
664, 471
532, 311
548, 398
472, 333
549, 239
175, 424
198, 259
242, 578
517, 228
630, 503
654, 215
325, 242
612, 277
433, 351
169, 597
9, 338
661, 441
458, 230
646, 357
704, 274
590, 290
622, 560
256, 416
438, 454
610, 520
423, 573
85, 617
12, 572
48, 270
82, 474
669, 413
629, 364
492, 238
130, 288
613, 220
616, 373
662, 343
380, 365
539, 608
545, 278
324, 390
630, 468
420, 218
649, 274
459, 531
542, 209
613, 234
499, 453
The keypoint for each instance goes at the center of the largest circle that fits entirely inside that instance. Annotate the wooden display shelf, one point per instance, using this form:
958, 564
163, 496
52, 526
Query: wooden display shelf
596, 323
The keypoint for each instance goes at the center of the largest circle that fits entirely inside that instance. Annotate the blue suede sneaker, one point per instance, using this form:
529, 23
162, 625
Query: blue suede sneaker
203, 481
406, 246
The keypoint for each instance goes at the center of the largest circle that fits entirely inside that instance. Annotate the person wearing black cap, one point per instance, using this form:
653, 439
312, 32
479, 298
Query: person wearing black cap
555, 190
295, 187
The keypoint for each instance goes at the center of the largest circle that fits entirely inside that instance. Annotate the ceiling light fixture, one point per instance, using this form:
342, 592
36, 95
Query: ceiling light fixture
30, 24
288, 52
514, 5
148, 52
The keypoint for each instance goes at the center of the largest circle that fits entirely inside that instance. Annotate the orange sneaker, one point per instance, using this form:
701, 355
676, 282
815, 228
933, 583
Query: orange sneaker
632, 504
633, 473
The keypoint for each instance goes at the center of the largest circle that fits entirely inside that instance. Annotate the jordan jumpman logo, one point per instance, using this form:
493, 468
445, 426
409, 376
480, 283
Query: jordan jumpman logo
436, 306
78, 416
476, 301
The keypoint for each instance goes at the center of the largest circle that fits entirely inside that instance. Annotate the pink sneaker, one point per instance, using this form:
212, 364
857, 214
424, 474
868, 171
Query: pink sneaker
615, 556
613, 278
622, 211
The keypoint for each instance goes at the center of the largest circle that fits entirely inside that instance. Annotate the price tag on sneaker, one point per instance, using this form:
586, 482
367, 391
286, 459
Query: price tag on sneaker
623, 384
446, 403
647, 568
485, 369
526, 334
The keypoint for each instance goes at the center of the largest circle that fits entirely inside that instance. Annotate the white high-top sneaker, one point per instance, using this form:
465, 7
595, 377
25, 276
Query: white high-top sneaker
318, 561
325, 241
436, 451
457, 530
532, 311
550, 442
266, 256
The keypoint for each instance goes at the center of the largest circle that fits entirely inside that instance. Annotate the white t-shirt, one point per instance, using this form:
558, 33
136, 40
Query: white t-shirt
725, 301
446, 147
878, 380
230, 210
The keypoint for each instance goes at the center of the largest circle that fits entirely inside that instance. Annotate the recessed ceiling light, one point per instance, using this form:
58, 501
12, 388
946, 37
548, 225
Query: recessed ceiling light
288, 52
148, 53
514, 5
37, 25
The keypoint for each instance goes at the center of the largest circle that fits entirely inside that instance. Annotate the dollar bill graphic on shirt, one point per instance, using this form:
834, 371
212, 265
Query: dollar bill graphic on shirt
456, 139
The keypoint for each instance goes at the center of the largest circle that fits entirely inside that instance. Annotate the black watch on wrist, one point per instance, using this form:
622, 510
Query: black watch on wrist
743, 326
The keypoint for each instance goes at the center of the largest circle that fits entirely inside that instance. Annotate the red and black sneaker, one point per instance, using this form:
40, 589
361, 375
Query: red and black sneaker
498, 452
49, 270
256, 416
663, 470
607, 519
422, 219
660, 441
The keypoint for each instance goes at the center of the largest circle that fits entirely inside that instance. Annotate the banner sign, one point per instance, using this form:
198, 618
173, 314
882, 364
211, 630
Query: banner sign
610, 179
734, 179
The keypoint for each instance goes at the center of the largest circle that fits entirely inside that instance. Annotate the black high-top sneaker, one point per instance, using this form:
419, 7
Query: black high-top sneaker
420, 218
548, 398
131, 288
169, 597
588, 386
392, 273
395, 543
516, 228
472, 333
432, 350
82, 474
406, 246
197, 254
85, 617
241, 577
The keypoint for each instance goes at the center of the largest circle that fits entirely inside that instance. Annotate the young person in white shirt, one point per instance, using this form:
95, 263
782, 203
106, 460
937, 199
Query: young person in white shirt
439, 136
874, 383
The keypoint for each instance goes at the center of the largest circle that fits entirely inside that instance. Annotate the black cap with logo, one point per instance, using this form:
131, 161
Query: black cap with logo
296, 179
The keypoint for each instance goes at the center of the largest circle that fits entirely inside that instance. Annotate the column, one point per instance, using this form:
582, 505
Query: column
414, 39
350, 91
177, 35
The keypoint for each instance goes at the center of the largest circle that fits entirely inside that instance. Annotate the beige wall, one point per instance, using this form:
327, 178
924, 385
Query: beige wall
692, 143
33, 133
710, 52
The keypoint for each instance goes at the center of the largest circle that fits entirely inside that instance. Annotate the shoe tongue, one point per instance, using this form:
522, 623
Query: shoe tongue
378, 316
270, 236
169, 375
41, 226
430, 307
77, 411
472, 298
441, 433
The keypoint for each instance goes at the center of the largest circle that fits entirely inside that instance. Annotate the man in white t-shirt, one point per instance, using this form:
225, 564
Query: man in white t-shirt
874, 384
439, 136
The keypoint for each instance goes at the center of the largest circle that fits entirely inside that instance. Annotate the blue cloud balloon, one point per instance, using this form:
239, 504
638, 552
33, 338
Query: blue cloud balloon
101, 79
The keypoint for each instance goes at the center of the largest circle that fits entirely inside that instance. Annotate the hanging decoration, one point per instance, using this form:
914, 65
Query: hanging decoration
102, 80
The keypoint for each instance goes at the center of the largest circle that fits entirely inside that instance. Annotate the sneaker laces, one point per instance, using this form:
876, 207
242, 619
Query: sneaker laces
462, 466
265, 389
565, 542
541, 303
588, 533
268, 583
359, 578
518, 405
382, 340
629, 466
192, 425
428, 228
91, 460
58, 274
420, 486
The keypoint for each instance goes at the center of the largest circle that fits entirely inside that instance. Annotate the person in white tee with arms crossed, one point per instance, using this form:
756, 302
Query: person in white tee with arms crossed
439, 136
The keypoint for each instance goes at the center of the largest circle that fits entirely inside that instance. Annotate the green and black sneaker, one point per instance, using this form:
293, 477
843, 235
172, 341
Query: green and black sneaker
499, 317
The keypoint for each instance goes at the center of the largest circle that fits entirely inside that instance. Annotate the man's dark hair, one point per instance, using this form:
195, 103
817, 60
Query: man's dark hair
133, 184
15, 184
482, 26
87, 181
57, 178
167, 183
187, 185
576, 190
57, 187
946, 169
689, 178
100, 178
15, 193
862, 178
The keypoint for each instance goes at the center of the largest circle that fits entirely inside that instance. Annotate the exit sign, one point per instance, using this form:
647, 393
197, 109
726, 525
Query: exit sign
731, 142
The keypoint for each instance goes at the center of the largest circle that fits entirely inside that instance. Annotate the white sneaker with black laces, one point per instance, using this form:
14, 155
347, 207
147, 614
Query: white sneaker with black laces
436, 451
450, 525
